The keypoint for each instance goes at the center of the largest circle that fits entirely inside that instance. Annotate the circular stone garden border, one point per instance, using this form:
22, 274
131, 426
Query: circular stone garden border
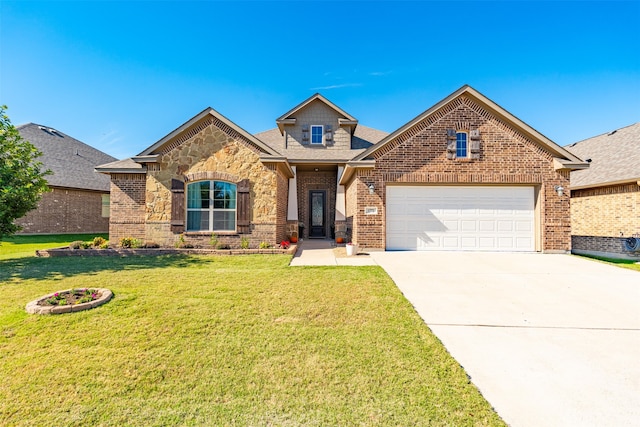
34, 308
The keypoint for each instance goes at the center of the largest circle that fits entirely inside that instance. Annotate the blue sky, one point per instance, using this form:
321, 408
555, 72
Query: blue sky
121, 75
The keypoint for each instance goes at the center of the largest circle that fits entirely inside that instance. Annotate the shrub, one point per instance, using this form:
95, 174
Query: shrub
223, 246
151, 245
214, 240
264, 245
130, 242
86, 245
244, 243
76, 244
98, 241
105, 245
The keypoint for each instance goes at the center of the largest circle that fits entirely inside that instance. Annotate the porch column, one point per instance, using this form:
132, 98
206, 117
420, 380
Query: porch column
292, 206
341, 211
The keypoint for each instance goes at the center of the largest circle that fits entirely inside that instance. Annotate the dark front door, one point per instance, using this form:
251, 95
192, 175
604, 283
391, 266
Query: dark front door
316, 208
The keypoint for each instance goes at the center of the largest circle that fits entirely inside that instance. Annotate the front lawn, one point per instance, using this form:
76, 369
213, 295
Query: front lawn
19, 246
624, 263
227, 341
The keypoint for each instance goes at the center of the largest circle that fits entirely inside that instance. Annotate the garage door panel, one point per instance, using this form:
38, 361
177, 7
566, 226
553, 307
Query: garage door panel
460, 218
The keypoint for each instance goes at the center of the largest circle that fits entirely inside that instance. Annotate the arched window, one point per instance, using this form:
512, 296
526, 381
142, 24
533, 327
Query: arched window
211, 206
462, 147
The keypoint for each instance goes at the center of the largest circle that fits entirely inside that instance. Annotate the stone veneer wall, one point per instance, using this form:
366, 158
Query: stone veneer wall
211, 153
66, 210
506, 158
127, 207
321, 180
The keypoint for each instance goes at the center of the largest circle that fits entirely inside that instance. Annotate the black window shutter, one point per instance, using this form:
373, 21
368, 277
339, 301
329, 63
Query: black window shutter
244, 207
177, 206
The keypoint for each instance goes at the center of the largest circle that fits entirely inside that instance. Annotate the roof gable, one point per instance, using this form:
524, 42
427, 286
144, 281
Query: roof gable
564, 157
196, 124
289, 117
71, 161
614, 158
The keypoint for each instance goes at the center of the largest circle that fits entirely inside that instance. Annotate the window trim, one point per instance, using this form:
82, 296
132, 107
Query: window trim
321, 134
466, 144
210, 211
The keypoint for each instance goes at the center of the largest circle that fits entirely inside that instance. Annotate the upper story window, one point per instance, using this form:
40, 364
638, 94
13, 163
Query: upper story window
211, 206
316, 134
462, 144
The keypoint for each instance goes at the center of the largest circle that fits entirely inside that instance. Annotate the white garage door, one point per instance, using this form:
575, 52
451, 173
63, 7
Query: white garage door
451, 218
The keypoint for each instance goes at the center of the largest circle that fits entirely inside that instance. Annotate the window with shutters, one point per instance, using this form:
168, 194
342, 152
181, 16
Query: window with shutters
211, 206
462, 147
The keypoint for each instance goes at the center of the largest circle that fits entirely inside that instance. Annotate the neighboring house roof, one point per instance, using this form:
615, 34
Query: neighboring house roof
71, 161
614, 158
563, 157
286, 118
363, 138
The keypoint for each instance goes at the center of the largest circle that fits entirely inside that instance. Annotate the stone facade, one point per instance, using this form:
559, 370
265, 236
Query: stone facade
66, 210
506, 158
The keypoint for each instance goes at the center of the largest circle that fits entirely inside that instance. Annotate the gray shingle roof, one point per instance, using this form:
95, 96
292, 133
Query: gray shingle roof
615, 157
363, 138
71, 161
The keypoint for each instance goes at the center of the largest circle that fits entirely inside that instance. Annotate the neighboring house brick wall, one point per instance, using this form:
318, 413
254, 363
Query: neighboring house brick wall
602, 217
127, 207
66, 210
506, 158
611, 211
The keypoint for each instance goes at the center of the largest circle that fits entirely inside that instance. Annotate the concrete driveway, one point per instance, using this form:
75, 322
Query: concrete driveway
550, 340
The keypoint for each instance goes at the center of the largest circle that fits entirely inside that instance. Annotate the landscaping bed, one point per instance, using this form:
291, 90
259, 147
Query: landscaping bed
68, 252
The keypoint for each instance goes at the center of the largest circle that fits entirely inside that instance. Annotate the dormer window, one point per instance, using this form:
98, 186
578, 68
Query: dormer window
316, 134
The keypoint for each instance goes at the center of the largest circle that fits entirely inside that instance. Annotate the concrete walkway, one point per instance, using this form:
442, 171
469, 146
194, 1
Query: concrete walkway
550, 340
325, 252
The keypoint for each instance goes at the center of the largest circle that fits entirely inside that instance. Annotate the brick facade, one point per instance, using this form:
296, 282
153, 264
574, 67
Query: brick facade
65, 210
127, 206
602, 246
419, 156
322, 180
611, 211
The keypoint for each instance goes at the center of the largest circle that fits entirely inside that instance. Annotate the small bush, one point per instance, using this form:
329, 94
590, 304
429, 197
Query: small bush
98, 241
151, 245
105, 245
76, 244
244, 243
86, 245
214, 240
264, 245
223, 246
130, 242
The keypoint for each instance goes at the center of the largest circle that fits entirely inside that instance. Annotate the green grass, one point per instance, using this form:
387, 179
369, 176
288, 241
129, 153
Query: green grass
19, 246
244, 341
624, 263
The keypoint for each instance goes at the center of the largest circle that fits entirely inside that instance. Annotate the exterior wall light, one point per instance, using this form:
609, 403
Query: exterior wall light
559, 189
372, 189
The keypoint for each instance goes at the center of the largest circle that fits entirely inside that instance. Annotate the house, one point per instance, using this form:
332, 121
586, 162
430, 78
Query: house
79, 198
463, 175
605, 199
